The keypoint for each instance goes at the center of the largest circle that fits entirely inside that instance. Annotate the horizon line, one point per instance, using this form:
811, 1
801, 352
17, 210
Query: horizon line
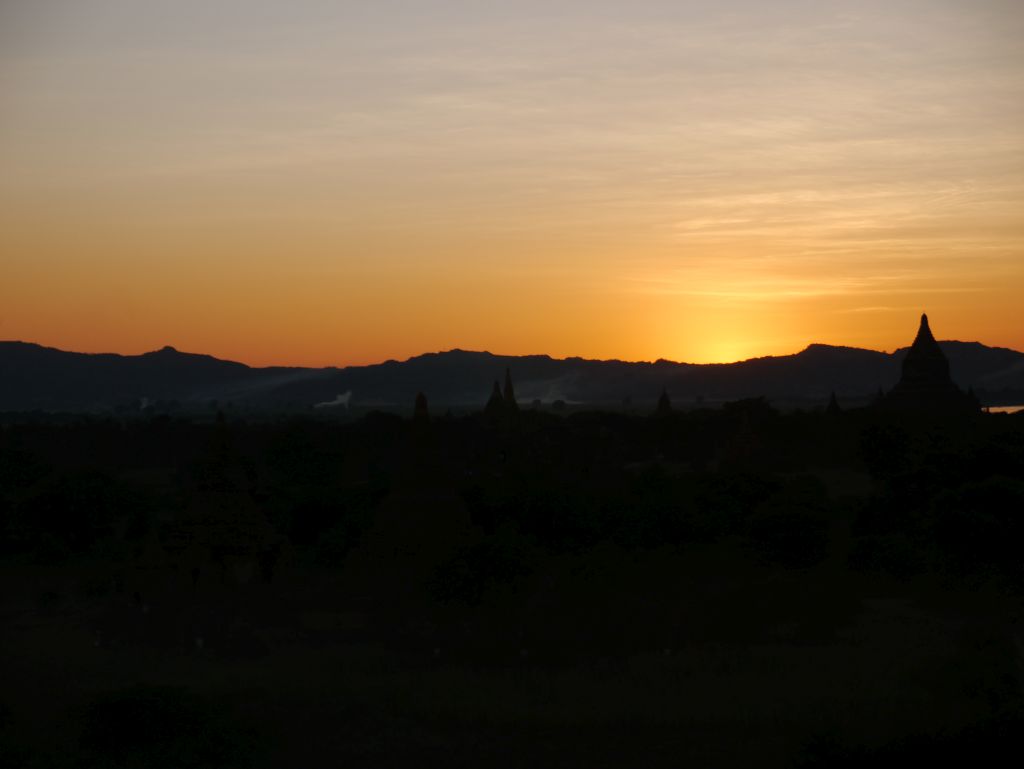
173, 349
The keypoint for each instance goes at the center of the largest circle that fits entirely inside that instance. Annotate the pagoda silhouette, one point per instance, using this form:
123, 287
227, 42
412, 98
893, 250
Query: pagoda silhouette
925, 384
502, 406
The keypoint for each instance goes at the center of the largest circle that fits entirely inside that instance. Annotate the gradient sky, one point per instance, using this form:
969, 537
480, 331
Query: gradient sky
324, 183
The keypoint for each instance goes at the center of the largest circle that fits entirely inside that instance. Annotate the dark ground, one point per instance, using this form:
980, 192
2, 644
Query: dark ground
726, 588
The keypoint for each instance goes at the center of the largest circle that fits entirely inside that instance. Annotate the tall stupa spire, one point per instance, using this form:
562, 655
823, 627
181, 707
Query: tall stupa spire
925, 383
925, 364
509, 395
924, 331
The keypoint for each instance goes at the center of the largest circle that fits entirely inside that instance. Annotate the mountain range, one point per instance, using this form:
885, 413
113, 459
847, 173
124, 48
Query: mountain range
33, 377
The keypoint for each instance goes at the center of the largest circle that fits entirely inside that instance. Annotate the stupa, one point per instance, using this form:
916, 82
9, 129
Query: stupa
509, 396
925, 384
664, 407
420, 413
495, 407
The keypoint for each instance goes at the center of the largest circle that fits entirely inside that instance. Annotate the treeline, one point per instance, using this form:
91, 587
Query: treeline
907, 496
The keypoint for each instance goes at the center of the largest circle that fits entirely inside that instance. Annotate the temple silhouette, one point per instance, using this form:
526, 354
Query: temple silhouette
501, 406
925, 384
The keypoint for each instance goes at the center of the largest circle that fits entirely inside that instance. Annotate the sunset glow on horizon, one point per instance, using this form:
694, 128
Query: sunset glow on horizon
333, 183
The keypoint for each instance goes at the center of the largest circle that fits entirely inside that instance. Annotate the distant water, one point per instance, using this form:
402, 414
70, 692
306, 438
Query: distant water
1004, 409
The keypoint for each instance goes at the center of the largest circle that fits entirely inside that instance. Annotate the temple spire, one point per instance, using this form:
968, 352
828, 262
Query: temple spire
510, 395
664, 407
925, 383
495, 404
833, 405
420, 412
924, 331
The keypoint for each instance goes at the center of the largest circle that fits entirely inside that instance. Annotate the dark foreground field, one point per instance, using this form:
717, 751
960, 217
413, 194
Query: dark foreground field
734, 588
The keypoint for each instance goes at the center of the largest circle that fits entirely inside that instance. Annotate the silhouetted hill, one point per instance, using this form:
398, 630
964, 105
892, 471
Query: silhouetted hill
972, 364
36, 377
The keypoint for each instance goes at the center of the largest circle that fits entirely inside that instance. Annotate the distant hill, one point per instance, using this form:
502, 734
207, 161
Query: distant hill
36, 377
33, 377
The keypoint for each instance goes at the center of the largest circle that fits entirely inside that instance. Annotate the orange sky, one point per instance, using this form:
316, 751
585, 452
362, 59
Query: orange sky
325, 183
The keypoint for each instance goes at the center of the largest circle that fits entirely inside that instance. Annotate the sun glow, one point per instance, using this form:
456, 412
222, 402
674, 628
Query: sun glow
722, 351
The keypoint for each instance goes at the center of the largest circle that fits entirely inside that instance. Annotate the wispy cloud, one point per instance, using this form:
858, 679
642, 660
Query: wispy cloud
871, 309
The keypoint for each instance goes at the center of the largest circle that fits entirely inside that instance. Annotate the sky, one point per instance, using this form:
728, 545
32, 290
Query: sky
333, 183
